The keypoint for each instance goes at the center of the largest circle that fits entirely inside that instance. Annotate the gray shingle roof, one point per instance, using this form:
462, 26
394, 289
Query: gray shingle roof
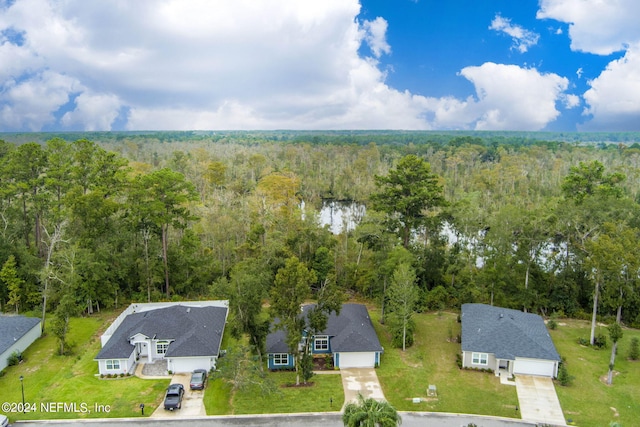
197, 331
505, 332
351, 331
12, 328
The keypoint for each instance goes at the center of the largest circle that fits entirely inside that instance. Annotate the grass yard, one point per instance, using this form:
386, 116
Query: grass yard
52, 379
324, 396
589, 402
316, 398
432, 360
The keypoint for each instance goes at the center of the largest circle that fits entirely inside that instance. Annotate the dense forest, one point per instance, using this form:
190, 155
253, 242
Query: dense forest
541, 223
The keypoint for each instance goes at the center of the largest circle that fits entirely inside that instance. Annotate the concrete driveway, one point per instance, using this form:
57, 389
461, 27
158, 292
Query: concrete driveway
192, 403
360, 381
538, 400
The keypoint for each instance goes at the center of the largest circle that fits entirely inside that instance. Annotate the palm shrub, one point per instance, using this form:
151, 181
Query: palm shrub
370, 413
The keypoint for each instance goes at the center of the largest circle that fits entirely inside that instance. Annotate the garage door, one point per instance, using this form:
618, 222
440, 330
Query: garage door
545, 368
357, 360
188, 364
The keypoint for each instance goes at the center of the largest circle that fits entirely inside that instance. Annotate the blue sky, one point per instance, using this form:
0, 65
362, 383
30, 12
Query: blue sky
562, 65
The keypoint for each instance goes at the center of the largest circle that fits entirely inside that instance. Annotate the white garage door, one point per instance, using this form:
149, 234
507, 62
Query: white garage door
545, 368
357, 360
188, 364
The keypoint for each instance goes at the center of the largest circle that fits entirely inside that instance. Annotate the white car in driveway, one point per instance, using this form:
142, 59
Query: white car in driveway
4, 421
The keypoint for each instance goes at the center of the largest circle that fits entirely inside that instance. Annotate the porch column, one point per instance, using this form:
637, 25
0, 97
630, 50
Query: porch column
150, 351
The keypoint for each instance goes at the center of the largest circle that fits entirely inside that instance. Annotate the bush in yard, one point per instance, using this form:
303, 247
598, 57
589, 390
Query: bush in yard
328, 360
459, 360
14, 358
563, 375
600, 341
396, 330
634, 350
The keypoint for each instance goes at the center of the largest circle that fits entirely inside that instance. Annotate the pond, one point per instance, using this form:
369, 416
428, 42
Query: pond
339, 215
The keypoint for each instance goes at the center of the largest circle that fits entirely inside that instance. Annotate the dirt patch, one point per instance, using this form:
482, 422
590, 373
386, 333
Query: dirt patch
615, 411
323, 364
603, 378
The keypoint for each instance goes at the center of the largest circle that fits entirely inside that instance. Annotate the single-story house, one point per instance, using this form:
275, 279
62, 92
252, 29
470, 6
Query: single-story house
16, 334
349, 338
187, 335
507, 341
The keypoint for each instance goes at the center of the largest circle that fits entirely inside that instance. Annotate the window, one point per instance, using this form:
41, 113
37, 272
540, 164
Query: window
321, 343
280, 359
480, 358
113, 364
161, 347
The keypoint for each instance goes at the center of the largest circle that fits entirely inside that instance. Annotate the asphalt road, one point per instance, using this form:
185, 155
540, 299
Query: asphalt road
308, 420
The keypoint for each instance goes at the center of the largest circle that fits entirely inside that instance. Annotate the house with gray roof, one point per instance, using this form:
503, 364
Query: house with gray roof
349, 337
507, 341
187, 335
16, 334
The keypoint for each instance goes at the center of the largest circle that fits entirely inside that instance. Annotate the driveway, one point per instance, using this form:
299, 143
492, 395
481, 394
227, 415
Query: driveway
538, 400
192, 404
360, 381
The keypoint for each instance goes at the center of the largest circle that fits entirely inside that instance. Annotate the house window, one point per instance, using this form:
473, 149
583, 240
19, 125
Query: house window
480, 358
280, 359
161, 347
113, 365
321, 343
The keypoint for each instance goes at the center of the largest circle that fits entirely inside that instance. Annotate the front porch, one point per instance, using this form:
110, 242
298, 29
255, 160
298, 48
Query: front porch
155, 369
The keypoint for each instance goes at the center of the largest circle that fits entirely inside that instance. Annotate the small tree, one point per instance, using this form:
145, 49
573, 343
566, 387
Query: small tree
615, 332
403, 295
241, 371
290, 289
634, 350
563, 375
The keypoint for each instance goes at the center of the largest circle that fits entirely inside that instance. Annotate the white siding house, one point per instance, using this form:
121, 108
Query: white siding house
16, 334
507, 341
187, 335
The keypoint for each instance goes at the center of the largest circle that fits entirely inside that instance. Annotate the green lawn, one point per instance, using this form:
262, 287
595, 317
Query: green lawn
589, 402
432, 360
50, 379
325, 395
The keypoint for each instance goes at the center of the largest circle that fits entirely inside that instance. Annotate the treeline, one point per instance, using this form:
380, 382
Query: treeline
142, 217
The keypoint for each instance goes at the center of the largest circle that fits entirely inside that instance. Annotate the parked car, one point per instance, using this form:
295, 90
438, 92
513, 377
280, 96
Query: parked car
198, 379
4, 421
173, 398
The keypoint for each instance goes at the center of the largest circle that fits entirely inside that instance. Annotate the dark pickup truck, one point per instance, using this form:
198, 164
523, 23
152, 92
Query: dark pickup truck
173, 398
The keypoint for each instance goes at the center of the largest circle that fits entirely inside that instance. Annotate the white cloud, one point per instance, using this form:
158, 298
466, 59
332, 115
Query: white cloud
217, 64
596, 26
31, 104
522, 38
508, 97
614, 97
604, 27
376, 36
93, 112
